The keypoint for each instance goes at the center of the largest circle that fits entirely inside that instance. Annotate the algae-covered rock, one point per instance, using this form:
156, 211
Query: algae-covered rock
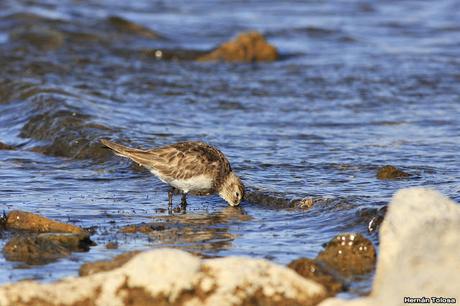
349, 254
44, 248
247, 47
391, 173
173, 277
26, 221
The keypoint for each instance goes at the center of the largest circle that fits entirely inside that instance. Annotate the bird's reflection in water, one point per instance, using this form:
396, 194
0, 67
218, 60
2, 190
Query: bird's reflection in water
202, 233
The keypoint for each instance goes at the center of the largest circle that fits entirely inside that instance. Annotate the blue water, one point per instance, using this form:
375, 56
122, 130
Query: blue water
360, 84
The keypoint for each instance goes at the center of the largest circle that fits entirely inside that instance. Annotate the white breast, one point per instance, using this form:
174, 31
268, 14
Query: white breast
196, 183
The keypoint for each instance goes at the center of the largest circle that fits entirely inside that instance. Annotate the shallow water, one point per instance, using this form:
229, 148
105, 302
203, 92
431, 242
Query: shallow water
360, 84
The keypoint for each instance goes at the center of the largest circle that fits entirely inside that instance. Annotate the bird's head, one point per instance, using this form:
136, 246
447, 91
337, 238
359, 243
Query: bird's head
232, 190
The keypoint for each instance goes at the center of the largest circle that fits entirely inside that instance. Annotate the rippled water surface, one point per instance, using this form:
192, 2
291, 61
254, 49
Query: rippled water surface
360, 84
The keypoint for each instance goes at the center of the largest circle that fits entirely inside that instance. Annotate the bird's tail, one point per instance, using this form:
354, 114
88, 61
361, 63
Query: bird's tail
137, 155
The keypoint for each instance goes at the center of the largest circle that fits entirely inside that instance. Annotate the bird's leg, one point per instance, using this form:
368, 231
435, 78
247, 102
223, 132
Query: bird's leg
183, 200
170, 196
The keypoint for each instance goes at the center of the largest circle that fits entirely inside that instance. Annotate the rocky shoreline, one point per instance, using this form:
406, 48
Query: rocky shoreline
416, 255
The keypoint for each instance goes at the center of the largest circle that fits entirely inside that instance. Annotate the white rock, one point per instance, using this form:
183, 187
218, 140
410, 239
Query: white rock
173, 277
419, 250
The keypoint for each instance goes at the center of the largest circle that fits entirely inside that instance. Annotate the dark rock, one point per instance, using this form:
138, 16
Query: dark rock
142, 228
127, 26
173, 54
4, 146
278, 201
26, 221
44, 248
70, 135
311, 269
389, 172
106, 265
39, 37
247, 47
349, 254
374, 223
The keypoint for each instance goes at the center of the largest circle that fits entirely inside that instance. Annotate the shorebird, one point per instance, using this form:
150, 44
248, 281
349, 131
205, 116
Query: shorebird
190, 167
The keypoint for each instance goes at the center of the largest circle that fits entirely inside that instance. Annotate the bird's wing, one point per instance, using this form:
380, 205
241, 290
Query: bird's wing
178, 161
188, 159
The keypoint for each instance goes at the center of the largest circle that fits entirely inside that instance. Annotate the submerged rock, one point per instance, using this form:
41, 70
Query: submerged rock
130, 27
391, 173
70, 134
44, 248
26, 221
247, 47
311, 269
142, 228
106, 265
419, 250
42, 38
349, 254
173, 277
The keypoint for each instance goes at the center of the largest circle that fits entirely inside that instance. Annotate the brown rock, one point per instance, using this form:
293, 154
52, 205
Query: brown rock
305, 203
349, 254
247, 47
311, 269
142, 228
111, 245
4, 146
44, 248
26, 221
389, 172
106, 265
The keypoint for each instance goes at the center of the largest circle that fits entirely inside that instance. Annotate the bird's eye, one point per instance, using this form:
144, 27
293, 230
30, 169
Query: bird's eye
237, 194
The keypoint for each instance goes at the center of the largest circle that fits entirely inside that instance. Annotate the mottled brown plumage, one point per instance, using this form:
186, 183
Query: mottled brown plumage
191, 166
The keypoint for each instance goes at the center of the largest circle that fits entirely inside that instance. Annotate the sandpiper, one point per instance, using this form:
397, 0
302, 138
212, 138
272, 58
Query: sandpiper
190, 167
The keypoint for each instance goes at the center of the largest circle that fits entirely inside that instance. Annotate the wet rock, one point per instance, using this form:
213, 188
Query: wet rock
247, 47
44, 248
111, 245
173, 277
4, 146
26, 221
305, 203
313, 270
173, 54
106, 265
349, 254
374, 223
419, 247
69, 133
142, 228
127, 26
278, 201
391, 173
42, 38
